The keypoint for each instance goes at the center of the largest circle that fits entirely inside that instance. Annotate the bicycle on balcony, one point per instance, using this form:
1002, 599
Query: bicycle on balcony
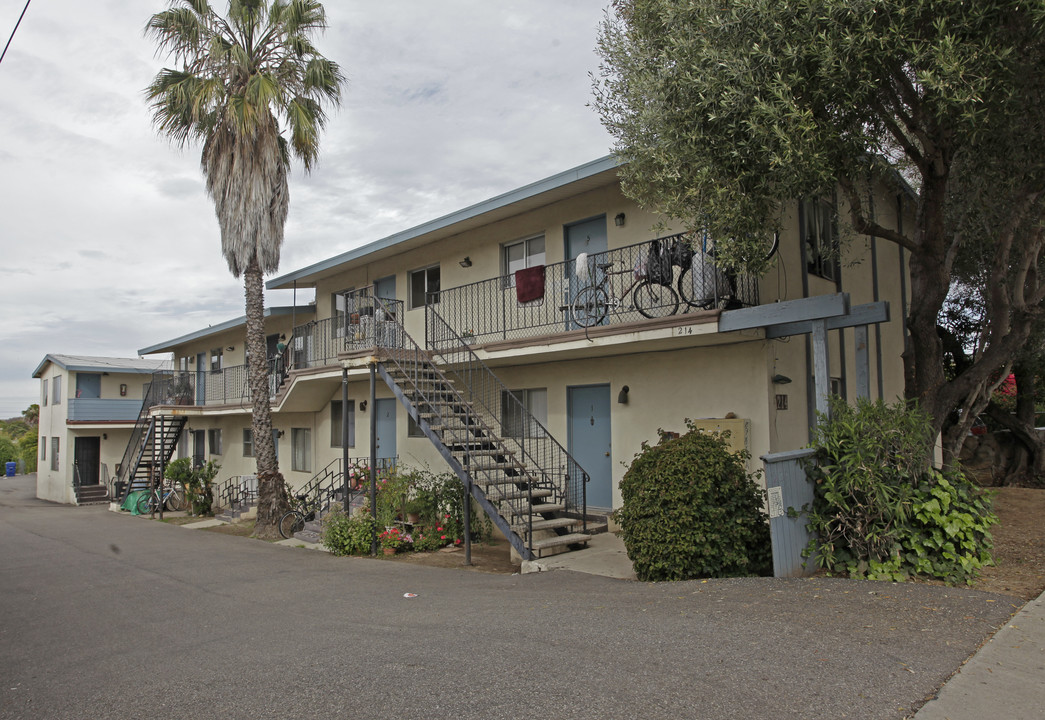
650, 291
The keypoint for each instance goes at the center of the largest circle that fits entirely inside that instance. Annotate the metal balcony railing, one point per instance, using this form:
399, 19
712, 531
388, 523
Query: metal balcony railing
628, 284
364, 324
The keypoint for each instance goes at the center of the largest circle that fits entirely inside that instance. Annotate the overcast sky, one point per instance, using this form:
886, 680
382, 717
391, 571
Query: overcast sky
109, 243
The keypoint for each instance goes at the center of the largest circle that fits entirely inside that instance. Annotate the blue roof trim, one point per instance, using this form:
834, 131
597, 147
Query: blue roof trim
222, 327
495, 203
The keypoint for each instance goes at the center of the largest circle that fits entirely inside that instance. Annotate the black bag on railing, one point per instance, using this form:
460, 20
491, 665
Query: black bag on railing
658, 264
681, 253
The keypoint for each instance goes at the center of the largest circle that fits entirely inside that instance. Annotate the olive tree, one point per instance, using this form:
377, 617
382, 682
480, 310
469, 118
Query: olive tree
722, 112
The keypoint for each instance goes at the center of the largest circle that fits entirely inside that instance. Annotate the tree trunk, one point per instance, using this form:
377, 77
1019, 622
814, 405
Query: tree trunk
1028, 461
272, 496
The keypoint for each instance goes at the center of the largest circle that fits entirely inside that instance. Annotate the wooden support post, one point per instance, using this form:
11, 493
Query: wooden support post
821, 373
863, 363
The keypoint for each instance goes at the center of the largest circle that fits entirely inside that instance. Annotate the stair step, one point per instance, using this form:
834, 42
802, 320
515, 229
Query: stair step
490, 467
547, 508
520, 495
571, 539
506, 480
546, 524
491, 452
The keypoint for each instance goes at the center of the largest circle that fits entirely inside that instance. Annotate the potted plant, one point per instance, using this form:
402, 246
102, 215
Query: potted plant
393, 540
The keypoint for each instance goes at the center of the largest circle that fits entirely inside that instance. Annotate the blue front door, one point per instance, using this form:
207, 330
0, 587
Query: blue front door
589, 438
584, 237
386, 427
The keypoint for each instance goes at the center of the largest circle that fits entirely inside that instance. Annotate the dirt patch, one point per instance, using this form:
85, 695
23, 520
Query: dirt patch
1019, 544
491, 557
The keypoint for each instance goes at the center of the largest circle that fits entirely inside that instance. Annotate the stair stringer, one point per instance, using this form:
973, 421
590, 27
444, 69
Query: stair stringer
460, 470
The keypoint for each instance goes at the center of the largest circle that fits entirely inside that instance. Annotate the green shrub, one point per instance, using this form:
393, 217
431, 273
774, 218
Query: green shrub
8, 451
348, 535
881, 510
691, 510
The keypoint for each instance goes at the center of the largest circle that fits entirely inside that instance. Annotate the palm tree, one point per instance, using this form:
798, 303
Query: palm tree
251, 89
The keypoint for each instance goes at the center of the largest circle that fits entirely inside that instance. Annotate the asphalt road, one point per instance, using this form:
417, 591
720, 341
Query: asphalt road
104, 615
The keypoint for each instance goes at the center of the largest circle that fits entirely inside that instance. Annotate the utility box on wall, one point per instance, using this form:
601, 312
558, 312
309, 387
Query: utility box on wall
788, 487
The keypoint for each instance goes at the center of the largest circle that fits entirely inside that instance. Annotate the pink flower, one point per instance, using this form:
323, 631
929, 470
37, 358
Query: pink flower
442, 537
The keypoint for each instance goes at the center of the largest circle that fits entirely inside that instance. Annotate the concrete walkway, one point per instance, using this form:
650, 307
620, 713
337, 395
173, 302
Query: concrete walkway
1004, 679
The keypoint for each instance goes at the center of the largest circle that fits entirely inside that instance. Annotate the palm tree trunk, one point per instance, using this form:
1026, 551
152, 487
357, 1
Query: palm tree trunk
272, 496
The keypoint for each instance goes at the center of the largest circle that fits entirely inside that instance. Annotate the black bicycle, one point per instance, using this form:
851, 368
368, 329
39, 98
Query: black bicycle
294, 521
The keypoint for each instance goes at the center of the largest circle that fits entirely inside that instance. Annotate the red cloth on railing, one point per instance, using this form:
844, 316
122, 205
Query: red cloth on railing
529, 284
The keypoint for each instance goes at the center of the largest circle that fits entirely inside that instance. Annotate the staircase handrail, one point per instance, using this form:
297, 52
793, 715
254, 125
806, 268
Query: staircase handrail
554, 461
151, 391
455, 354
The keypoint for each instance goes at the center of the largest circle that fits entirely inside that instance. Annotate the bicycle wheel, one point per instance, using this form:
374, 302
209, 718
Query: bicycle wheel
291, 523
589, 306
693, 292
654, 300
146, 504
175, 501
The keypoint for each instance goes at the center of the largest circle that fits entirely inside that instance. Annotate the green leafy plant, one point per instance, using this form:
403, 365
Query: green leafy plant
345, 534
881, 511
691, 510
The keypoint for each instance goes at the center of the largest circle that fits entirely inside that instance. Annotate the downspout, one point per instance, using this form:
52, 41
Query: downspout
373, 455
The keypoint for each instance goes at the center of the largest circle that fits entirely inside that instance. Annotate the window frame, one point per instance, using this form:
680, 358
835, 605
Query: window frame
527, 259
335, 423
56, 391
822, 255
56, 447
412, 301
512, 428
217, 360
297, 436
214, 438
248, 442
46, 382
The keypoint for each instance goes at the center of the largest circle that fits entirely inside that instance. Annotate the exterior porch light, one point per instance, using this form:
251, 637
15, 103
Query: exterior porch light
622, 396
781, 379
619, 220
466, 263
362, 406
230, 348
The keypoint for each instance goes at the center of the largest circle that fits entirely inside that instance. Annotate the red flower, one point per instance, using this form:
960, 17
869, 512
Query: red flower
442, 537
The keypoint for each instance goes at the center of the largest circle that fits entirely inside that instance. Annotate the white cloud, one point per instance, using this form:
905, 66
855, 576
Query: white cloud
108, 240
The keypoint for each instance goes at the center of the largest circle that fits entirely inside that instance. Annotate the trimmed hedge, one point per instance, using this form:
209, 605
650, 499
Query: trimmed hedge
691, 511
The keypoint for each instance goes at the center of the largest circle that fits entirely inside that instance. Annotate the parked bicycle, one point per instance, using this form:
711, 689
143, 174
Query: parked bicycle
701, 283
294, 521
593, 302
172, 496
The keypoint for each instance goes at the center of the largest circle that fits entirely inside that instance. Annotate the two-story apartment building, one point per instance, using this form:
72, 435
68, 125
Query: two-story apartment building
88, 406
594, 327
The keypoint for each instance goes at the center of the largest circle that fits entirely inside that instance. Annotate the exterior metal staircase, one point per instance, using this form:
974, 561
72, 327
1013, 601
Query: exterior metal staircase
152, 441
522, 477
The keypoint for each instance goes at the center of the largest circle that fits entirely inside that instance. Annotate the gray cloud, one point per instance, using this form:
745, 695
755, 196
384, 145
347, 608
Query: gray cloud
109, 241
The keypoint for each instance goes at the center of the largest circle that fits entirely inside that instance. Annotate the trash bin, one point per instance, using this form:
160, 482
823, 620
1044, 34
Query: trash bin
12, 467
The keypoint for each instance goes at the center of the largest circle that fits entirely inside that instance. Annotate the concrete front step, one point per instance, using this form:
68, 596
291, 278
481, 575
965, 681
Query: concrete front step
552, 524
559, 540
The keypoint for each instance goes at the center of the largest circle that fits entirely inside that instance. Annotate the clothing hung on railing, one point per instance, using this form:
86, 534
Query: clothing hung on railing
529, 284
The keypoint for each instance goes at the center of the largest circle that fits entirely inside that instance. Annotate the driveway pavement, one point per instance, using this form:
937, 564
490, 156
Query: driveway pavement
104, 615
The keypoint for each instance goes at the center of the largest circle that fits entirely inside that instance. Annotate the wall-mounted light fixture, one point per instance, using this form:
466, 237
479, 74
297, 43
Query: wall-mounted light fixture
781, 379
230, 348
123, 389
466, 263
622, 396
619, 220
192, 358
280, 433
362, 406
105, 436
